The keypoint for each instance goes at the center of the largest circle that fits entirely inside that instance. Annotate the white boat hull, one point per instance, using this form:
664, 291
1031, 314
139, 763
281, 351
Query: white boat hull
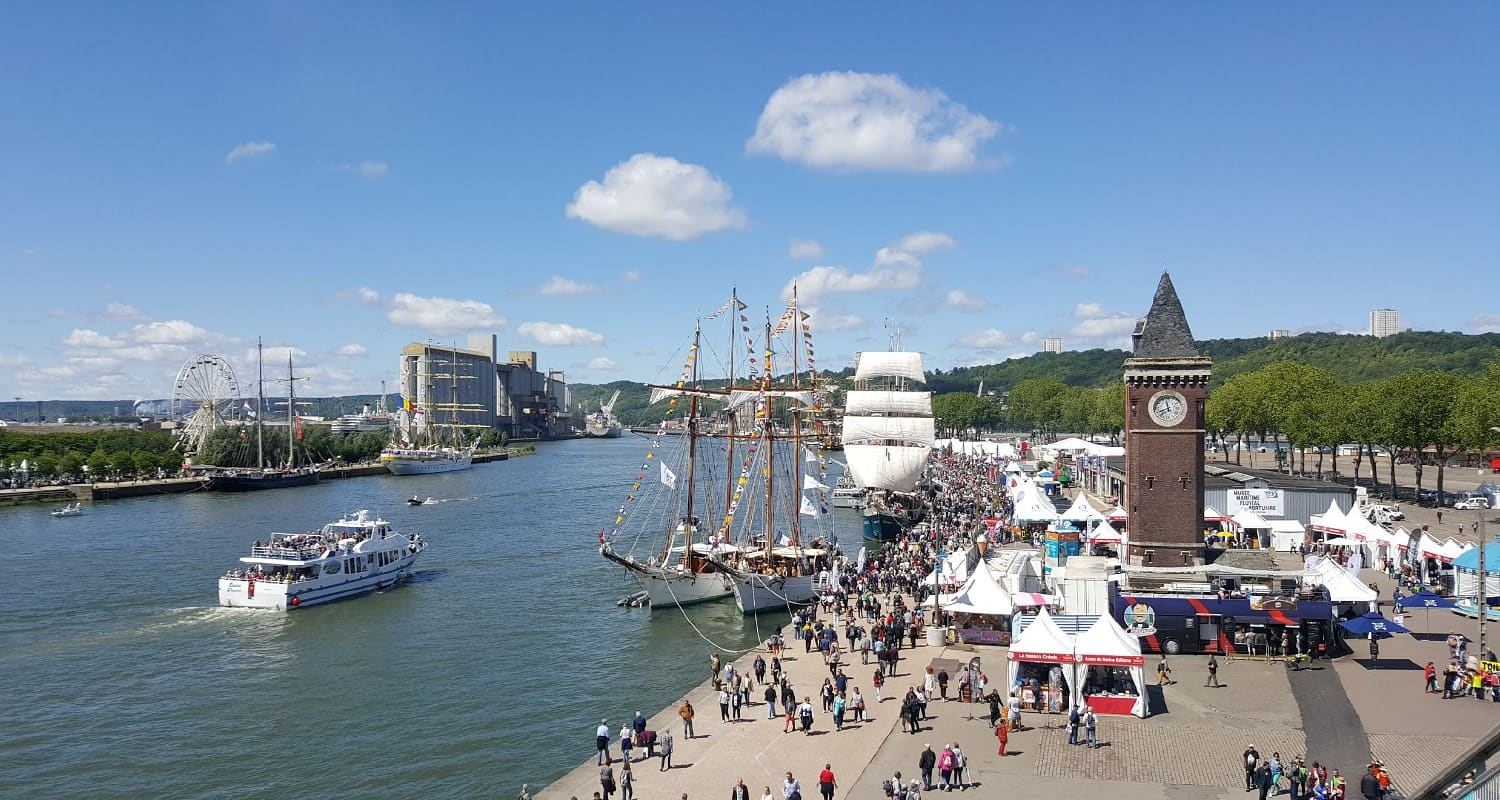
668, 589
755, 593
843, 500
402, 466
281, 596
613, 432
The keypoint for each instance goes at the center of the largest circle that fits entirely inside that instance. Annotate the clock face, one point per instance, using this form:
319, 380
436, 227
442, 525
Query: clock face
1168, 408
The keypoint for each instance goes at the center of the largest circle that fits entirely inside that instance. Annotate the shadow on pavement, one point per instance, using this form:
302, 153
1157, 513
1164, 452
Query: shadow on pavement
1391, 664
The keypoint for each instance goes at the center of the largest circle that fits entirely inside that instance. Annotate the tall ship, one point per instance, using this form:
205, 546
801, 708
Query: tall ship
421, 447
353, 556
602, 423
888, 433
659, 535
784, 552
266, 476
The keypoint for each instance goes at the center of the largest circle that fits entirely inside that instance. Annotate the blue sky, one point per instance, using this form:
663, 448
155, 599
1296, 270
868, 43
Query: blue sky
581, 179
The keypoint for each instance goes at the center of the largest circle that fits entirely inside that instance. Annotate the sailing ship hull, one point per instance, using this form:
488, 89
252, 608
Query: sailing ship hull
412, 466
666, 588
260, 480
755, 593
879, 527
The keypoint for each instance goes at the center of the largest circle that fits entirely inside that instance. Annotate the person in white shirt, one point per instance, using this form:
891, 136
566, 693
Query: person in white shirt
790, 788
601, 740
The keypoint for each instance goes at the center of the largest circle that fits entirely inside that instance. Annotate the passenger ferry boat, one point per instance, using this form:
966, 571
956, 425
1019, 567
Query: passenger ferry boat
347, 558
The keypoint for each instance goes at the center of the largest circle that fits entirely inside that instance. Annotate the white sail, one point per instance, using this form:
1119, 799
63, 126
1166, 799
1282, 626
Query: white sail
908, 403
739, 397
890, 467
885, 364
909, 429
660, 393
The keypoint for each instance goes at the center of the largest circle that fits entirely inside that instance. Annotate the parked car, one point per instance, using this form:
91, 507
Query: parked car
1386, 513
1469, 503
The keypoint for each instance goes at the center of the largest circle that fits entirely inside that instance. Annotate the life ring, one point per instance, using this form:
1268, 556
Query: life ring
296, 601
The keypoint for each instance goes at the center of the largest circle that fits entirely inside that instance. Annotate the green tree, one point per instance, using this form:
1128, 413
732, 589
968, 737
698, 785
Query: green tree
98, 462
959, 412
71, 464
1037, 404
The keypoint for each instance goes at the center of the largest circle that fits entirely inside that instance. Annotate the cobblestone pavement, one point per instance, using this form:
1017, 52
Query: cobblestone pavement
1413, 759
1147, 751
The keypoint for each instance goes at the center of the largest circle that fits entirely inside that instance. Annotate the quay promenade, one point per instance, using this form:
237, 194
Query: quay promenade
1343, 714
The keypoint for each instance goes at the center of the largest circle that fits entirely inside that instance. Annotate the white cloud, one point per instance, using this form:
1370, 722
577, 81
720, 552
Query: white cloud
988, 339
121, 312
28, 251
631, 276
657, 196
442, 314
350, 351
818, 281
960, 300
172, 331
249, 150
1097, 325
996, 339
363, 294
558, 286
8, 359
559, 334
370, 170
602, 363
836, 319
897, 266
275, 356
1076, 271
856, 120
804, 250
1483, 323
83, 337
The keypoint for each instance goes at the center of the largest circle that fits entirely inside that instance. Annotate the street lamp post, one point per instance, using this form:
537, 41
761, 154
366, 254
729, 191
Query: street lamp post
1481, 603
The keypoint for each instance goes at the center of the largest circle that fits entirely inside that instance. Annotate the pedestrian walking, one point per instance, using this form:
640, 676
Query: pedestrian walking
1075, 718
686, 712
960, 767
1263, 779
858, 702
1213, 671
945, 769
1429, 678
770, 696
790, 788
1163, 672
826, 782
1002, 732
805, 715
1091, 727
741, 791
626, 734
627, 781
1251, 760
926, 762
607, 780
601, 741
724, 704
665, 743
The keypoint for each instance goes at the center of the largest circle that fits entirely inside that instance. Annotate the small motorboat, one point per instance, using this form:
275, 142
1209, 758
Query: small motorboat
73, 510
417, 501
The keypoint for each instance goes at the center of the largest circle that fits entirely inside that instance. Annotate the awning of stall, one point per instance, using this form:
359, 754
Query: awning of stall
1042, 641
1211, 514
1105, 643
1118, 515
1342, 587
1330, 521
981, 594
1249, 520
1083, 511
955, 570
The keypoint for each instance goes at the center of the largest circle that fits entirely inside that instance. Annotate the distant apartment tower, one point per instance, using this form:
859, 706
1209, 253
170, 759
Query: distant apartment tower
1279, 333
1384, 322
1052, 344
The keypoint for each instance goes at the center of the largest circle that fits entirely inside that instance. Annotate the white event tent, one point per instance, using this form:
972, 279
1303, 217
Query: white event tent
981, 594
1331, 521
1084, 513
1105, 643
1042, 642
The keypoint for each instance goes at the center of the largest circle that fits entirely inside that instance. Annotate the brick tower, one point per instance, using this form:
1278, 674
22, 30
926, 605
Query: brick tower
1166, 384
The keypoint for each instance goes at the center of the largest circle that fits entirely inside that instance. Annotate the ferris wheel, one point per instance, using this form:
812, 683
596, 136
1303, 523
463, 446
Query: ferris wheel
205, 396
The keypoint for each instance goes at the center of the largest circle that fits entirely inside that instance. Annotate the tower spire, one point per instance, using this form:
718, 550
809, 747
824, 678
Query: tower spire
1164, 332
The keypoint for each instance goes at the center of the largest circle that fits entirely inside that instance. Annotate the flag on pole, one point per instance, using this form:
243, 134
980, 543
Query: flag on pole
248, 410
668, 477
808, 509
299, 429
809, 482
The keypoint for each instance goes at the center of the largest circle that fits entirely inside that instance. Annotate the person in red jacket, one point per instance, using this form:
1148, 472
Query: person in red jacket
826, 783
1002, 732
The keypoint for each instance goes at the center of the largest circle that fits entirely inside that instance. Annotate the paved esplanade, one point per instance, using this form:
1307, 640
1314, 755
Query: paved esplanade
1340, 715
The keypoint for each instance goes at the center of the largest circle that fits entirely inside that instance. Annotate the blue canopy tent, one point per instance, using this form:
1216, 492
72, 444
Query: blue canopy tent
1427, 600
1375, 626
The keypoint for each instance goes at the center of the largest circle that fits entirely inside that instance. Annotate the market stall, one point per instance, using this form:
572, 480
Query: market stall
982, 609
1330, 522
1041, 665
1287, 534
1111, 669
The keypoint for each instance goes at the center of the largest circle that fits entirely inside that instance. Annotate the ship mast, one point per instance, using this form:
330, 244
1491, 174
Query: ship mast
690, 524
291, 412
260, 403
796, 421
734, 312
770, 439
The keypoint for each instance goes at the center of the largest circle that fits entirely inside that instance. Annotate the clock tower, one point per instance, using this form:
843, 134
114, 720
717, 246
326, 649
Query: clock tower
1166, 385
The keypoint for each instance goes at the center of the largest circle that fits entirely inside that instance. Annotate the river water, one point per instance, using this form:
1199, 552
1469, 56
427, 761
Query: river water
123, 678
